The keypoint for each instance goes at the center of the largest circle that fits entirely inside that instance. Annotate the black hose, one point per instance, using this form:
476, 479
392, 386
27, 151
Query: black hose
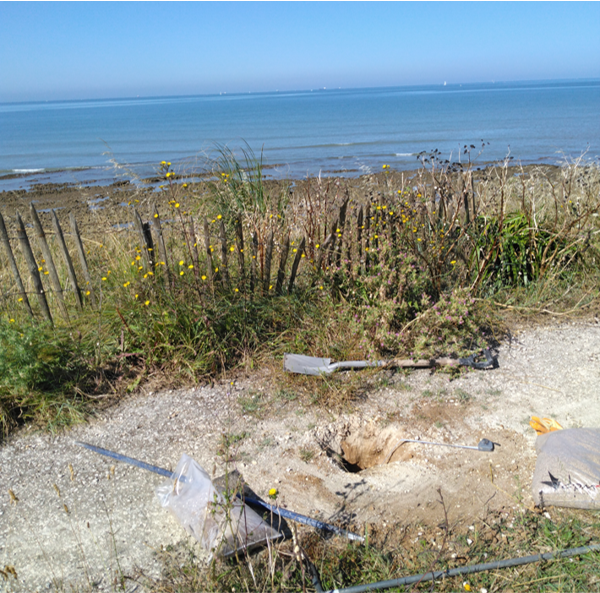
464, 570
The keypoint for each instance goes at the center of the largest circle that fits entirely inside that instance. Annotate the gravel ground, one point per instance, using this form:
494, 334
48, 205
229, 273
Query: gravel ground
114, 522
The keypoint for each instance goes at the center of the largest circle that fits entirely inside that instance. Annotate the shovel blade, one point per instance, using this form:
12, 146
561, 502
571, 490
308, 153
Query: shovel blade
306, 365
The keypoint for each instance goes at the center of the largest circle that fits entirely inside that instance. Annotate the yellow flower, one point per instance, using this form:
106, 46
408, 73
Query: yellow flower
191, 267
126, 284
177, 205
155, 215
20, 300
185, 185
147, 303
163, 162
219, 217
453, 262
273, 493
181, 273
12, 320
138, 257
203, 277
317, 246
232, 249
104, 278
181, 263
137, 295
270, 287
40, 269
295, 250
321, 287
237, 290
466, 586
216, 269
87, 293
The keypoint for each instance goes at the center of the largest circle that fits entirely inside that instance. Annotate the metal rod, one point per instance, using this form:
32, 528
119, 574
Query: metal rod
278, 511
464, 570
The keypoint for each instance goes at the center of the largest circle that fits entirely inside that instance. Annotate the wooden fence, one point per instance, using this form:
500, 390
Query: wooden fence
223, 255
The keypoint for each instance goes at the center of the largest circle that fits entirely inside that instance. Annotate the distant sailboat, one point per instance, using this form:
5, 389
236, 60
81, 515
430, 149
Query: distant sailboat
444, 83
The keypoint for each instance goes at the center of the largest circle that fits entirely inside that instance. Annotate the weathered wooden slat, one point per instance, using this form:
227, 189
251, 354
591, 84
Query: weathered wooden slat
224, 249
146, 242
359, 238
253, 282
33, 268
193, 247
341, 224
67, 259
13, 265
208, 251
282, 261
268, 257
367, 235
82, 258
295, 265
54, 279
239, 242
162, 249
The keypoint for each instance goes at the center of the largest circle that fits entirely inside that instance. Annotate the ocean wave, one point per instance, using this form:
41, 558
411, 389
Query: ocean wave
405, 154
28, 170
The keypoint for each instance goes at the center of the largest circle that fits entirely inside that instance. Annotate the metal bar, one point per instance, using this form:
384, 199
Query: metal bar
278, 511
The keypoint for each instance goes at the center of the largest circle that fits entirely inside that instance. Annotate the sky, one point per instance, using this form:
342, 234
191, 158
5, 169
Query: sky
90, 50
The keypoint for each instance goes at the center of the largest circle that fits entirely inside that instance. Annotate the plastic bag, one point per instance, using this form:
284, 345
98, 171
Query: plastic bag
222, 524
567, 471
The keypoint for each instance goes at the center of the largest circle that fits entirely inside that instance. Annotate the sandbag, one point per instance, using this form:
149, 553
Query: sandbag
567, 471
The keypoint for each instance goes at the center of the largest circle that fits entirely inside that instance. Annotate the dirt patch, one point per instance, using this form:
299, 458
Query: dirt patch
115, 523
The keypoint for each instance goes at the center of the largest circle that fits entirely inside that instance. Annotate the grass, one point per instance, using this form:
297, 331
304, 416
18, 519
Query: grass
393, 552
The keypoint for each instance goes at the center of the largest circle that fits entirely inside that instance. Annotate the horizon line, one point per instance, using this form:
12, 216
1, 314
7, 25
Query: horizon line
306, 90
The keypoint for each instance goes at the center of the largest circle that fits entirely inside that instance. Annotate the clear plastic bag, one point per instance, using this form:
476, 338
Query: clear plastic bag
221, 523
567, 472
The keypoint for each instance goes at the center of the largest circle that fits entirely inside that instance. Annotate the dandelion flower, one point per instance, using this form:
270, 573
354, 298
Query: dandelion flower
191, 267
203, 277
181, 273
126, 284
273, 493
466, 586
232, 249
181, 263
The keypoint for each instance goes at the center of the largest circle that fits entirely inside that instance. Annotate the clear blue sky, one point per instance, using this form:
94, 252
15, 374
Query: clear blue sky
73, 50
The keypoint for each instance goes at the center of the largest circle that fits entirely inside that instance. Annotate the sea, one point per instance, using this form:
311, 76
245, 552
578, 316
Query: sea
346, 132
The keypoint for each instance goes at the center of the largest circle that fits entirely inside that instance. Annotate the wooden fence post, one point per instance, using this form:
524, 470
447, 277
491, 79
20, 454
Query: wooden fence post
67, 259
162, 249
253, 262
296, 264
33, 268
54, 279
145, 240
224, 254
282, 261
82, 258
209, 260
268, 256
239, 241
13, 265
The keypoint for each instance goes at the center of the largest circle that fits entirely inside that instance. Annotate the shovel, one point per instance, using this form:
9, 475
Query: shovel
311, 365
